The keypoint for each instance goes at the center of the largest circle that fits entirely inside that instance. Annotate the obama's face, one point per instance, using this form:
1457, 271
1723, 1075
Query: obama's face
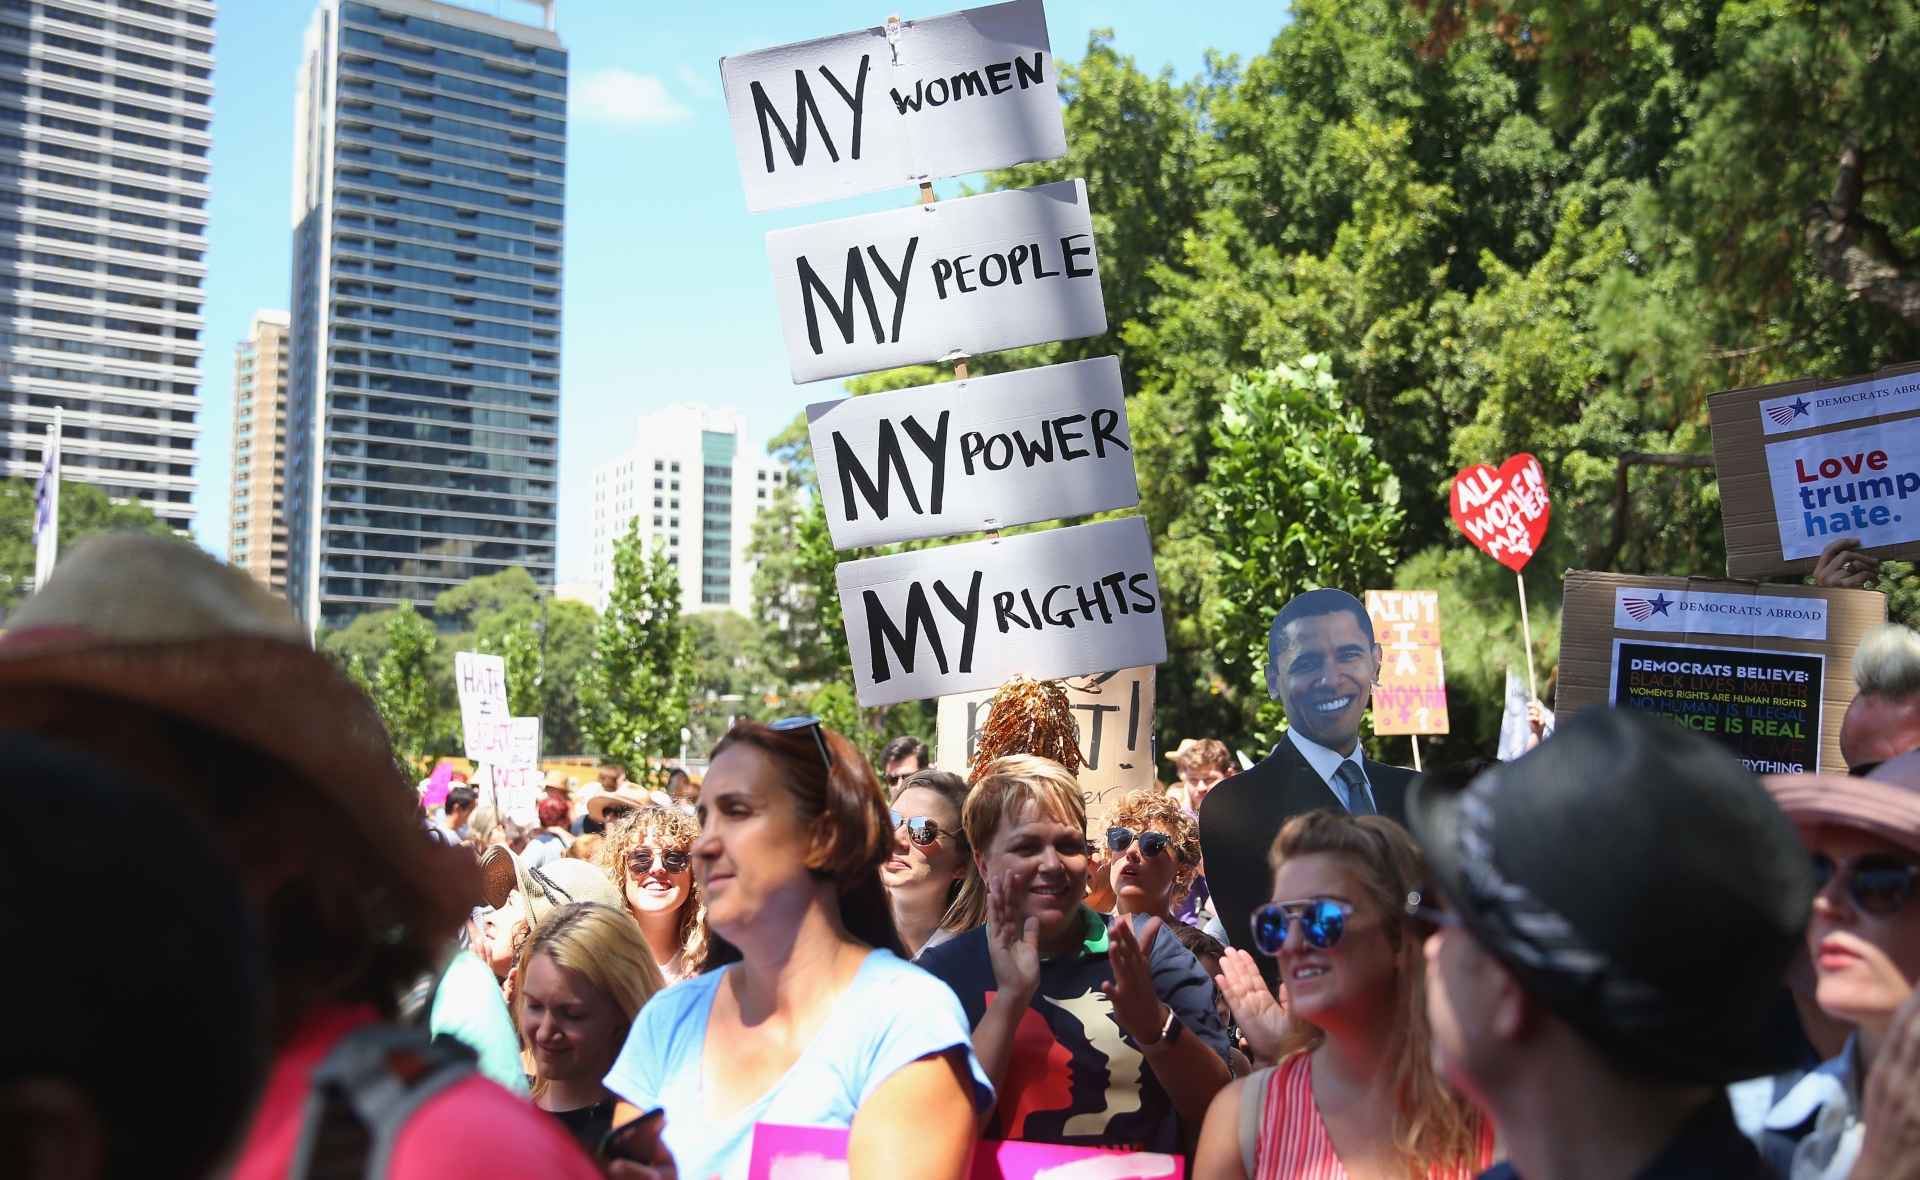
1323, 667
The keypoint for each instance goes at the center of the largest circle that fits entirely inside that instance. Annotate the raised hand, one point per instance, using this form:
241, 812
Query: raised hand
1891, 1103
1013, 940
1135, 1004
1261, 1017
1842, 566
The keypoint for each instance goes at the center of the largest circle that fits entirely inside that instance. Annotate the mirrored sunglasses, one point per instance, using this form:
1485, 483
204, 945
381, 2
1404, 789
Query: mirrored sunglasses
1151, 843
640, 861
1879, 884
922, 831
1323, 922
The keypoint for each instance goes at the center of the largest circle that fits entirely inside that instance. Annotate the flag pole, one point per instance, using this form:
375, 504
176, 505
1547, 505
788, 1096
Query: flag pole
47, 538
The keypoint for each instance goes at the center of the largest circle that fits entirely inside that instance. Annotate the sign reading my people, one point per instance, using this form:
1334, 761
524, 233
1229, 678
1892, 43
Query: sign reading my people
938, 282
894, 105
1064, 602
986, 453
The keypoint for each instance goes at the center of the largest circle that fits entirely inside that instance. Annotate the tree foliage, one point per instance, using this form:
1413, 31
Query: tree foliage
403, 685
635, 692
84, 511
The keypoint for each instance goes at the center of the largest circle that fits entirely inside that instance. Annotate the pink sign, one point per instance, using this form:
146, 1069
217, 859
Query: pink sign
820, 1153
1504, 512
437, 784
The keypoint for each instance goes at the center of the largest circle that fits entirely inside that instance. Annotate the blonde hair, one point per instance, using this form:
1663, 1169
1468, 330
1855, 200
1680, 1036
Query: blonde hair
599, 944
1150, 807
1434, 1128
1004, 787
1887, 662
674, 831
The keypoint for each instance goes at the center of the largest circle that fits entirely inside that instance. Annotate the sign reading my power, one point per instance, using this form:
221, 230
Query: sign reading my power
1059, 603
966, 456
938, 282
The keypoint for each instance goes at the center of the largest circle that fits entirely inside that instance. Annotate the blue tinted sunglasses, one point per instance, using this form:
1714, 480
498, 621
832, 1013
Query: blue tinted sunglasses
1322, 923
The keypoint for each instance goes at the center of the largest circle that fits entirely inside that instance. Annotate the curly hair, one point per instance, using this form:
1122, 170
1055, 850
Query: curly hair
1150, 808
674, 831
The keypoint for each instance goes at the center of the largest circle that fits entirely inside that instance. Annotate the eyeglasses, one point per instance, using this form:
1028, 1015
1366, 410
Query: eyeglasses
1151, 843
896, 777
922, 831
1323, 922
788, 724
1878, 883
640, 861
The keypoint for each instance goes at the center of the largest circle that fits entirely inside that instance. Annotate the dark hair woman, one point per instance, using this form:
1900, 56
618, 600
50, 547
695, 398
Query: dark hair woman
930, 861
805, 1013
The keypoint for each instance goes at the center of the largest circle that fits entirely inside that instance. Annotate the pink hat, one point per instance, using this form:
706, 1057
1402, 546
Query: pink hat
1885, 803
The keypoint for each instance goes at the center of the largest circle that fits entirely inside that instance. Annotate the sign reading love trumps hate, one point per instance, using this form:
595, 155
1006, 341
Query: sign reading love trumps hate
938, 282
894, 105
1802, 463
965, 456
1064, 602
1504, 512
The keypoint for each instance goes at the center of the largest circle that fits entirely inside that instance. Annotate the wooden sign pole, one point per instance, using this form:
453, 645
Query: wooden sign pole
1526, 633
1415, 738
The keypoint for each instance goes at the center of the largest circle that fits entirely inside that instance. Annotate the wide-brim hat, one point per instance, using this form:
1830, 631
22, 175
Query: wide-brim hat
542, 890
1885, 802
627, 796
154, 622
1637, 881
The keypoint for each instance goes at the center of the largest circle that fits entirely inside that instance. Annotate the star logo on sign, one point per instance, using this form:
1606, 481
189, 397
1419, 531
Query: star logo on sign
1787, 413
1660, 603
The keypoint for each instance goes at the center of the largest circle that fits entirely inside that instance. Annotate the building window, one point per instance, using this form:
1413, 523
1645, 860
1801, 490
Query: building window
656, 483
673, 540
656, 501
675, 504
763, 493
674, 523
656, 522
656, 465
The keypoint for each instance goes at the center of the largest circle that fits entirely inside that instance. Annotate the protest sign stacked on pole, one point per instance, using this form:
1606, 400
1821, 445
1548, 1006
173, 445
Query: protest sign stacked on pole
908, 103
1505, 514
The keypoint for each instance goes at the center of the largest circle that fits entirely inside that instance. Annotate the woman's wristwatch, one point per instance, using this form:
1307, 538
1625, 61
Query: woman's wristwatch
1169, 1033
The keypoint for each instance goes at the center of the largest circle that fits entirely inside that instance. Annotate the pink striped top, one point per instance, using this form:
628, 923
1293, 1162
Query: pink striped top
1293, 1140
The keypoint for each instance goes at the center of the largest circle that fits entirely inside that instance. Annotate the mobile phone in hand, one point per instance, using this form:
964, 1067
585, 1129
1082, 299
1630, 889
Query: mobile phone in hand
637, 1140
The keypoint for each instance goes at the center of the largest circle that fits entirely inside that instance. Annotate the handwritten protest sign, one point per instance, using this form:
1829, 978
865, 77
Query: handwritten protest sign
524, 748
893, 105
1503, 512
938, 282
1803, 462
986, 453
485, 725
1113, 712
1411, 696
1065, 602
1763, 669
820, 1153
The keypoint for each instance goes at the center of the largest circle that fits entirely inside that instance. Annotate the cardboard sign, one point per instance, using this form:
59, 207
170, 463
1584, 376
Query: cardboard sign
524, 746
894, 105
1765, 669
1065, 602
938, 282
486, 728
966, 456
1114, 714
1804, 462
820, 1153
1411, 696
516, 793
1504, 512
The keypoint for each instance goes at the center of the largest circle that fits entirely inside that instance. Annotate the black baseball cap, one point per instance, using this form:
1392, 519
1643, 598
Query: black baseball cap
1638, 881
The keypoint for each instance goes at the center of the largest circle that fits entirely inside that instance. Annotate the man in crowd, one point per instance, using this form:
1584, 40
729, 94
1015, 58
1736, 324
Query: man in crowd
1322, 662
190, 677
1201, 765
1614, 913
461, 800
901, 758
1884, 719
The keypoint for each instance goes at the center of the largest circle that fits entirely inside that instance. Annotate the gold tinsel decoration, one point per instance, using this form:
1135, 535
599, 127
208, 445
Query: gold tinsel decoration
1029, 717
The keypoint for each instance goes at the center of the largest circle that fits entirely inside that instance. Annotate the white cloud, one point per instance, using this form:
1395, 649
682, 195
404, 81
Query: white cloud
618, 96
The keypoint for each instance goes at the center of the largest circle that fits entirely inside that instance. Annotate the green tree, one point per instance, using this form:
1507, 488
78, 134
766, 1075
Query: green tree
84, 511
404, 689
634, 692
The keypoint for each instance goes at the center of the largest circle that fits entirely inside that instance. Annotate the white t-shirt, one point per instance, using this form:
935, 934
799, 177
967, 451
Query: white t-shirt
892, 1015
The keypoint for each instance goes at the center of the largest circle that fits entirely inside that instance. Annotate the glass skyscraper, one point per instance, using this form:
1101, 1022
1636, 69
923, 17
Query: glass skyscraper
104, 112
424, 391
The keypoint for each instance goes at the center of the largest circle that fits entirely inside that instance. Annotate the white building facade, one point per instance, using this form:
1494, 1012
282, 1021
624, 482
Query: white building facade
104, 113
685, 489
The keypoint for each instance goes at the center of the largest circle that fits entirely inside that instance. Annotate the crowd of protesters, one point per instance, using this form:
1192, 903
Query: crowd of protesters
1619, 957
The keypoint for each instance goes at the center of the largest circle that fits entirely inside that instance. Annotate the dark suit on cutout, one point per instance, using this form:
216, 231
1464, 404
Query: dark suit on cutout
1241, 816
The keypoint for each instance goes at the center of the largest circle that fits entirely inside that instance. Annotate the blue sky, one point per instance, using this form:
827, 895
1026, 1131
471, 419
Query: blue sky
667, 296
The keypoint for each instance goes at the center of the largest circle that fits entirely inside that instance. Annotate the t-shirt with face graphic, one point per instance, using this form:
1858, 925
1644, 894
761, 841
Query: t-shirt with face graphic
1075, 1076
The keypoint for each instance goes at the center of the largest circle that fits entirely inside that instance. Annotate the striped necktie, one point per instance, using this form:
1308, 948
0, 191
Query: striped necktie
1359, 797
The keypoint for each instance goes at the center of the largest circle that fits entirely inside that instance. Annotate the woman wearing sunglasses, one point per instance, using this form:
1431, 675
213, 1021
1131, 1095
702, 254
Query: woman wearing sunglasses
930, 862
1097, 1033
647, 853
1355, 1092
1155, 847
805, 1012
1863, 835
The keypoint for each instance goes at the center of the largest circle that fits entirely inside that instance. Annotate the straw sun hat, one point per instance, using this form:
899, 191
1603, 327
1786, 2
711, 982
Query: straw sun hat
157, 623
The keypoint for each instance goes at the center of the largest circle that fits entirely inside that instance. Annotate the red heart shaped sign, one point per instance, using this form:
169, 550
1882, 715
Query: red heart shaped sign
1504, 512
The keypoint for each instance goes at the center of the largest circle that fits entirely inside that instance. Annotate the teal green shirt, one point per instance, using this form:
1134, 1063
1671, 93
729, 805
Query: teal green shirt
469, 1007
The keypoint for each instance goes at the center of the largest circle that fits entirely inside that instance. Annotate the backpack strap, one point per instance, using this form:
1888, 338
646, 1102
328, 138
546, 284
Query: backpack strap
364, 1091
1253, 1108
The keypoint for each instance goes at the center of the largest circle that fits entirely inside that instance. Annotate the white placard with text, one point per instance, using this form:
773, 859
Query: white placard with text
485, 724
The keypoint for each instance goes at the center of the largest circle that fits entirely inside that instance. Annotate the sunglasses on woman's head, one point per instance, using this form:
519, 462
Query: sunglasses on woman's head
1151, 843
1879, 883
1323, 922
810, 722
922, 831
640, 861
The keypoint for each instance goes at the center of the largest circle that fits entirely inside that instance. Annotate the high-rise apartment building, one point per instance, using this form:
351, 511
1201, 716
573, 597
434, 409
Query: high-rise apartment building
104, 112
259, 530
423, 408
683, 490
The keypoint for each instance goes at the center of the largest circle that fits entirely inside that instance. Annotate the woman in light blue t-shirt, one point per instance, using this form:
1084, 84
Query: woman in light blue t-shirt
814, 1019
